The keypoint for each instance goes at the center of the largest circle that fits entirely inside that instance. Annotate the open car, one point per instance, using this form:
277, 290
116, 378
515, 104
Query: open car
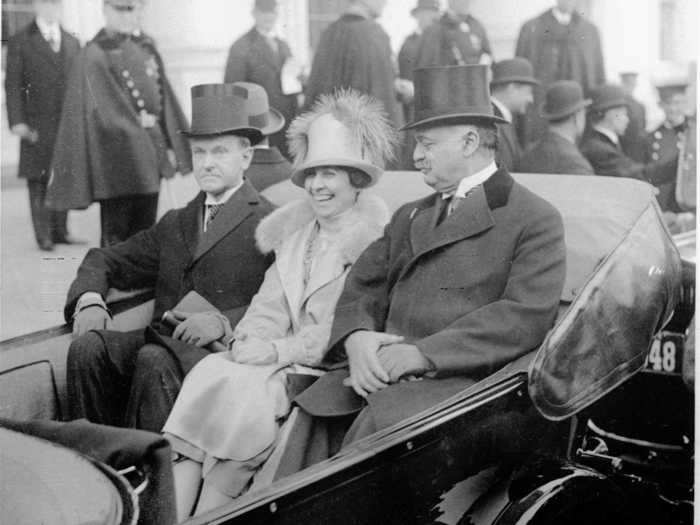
606, 402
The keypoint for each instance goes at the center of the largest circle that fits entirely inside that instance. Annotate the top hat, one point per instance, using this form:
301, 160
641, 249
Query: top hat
563, 98
513, 70
606, 97
347, 129
257, 104
219, 109
426, 5
265, 5
451, 93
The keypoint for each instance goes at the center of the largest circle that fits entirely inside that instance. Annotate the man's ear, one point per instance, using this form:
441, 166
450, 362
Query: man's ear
247, 156
471, 141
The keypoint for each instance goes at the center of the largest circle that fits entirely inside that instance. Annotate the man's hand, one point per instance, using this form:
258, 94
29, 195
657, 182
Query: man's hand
198, 329
254, 351
92, 317
25, 132
401, 360
366, 373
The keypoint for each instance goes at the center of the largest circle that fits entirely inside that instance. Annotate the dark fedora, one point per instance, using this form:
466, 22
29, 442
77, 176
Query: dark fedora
426, 5
513, 70
219, 109
606, 97
257, 104
562, 99
452, 93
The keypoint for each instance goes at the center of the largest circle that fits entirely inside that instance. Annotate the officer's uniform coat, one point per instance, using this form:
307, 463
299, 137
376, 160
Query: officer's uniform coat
555, 154
453, 40
662, 145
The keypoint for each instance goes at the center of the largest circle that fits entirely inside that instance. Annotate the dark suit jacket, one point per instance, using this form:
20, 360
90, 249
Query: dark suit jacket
251, 59
634, 140
509, 151
35, 84
268, 167
555, 154
473, 294
608, 159
174, 256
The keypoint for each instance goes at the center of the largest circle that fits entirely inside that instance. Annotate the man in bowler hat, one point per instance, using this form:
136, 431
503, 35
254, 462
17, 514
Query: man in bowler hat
207, 247
512, 82
38, 61
557, 151
608, 121
485, 256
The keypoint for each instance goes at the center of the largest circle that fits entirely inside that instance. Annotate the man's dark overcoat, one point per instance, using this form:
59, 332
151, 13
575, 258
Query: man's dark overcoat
268, 167
102, 151
252, 59
634, 141
558, 52
607, 158
555, 154
473, 294
35, 84
355, 52
509, 150
452, 40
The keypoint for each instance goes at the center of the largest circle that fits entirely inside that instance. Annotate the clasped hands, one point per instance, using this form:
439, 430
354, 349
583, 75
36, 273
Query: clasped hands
378, 359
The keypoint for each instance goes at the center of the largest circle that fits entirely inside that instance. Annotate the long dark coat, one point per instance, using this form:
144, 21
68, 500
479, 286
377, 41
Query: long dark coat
634, 141
558, 52
609, 159
251, 59
355, 52
662, 145
174, 256
452, 40
473, 294
509, 150
554, 154
102, 151
35, 84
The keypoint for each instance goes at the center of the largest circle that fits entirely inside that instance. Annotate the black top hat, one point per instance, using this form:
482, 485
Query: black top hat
606, 97
454, 93
219, 109
513, 70
563, 98
427, 5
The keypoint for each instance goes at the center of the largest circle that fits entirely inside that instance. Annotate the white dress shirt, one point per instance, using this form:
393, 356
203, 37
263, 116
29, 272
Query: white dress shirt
610, 134
50, 31
504, 110
469, 183
220, 199
562, 17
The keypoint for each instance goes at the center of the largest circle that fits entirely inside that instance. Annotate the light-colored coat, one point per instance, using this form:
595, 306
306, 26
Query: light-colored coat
297, 319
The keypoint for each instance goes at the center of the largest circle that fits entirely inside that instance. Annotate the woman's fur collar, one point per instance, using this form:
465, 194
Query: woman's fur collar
279, 225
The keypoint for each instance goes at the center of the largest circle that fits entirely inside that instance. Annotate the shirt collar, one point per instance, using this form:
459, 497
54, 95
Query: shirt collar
562, 18
472, 181
48, 29
504, 110
224, 197
610, 134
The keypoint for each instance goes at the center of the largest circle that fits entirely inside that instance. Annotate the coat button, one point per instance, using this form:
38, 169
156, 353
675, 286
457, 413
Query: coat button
655, 156
130, 83
125, 73
140, 103
135, 93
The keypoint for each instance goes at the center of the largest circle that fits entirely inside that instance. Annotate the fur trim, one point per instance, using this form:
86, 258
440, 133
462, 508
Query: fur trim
279, 225
362, 114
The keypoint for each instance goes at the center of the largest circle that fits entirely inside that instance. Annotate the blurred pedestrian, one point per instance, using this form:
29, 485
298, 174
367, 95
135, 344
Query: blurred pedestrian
457, 38
634, 140
601, 145
557, 152
119, 131
38, 60
512, 82
260, 57
561, 45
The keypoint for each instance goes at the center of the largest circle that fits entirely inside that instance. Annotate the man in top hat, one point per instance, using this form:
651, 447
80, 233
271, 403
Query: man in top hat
457, 38
601, 144
119, 132
259, 57
634, 139
462, 282
561, 45
39, 57
207, 247
664, 143
512, 82
564, 109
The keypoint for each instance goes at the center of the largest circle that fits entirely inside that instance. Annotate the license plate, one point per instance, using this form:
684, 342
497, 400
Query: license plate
666, 354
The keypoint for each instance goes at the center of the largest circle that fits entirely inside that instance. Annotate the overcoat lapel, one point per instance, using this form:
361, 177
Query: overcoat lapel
191, 223
231, 215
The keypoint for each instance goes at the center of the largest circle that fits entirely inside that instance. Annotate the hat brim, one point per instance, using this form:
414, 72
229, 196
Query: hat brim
581, 104
255, 135
617, 103
371, 170
515, 80
454, 118
276, 122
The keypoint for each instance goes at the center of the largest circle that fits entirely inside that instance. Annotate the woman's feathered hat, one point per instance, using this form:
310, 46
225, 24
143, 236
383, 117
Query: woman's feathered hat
347, 129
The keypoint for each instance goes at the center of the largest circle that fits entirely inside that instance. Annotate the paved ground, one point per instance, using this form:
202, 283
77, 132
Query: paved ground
33, 284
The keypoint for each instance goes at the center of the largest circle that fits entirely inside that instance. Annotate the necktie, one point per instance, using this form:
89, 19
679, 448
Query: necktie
212, 212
